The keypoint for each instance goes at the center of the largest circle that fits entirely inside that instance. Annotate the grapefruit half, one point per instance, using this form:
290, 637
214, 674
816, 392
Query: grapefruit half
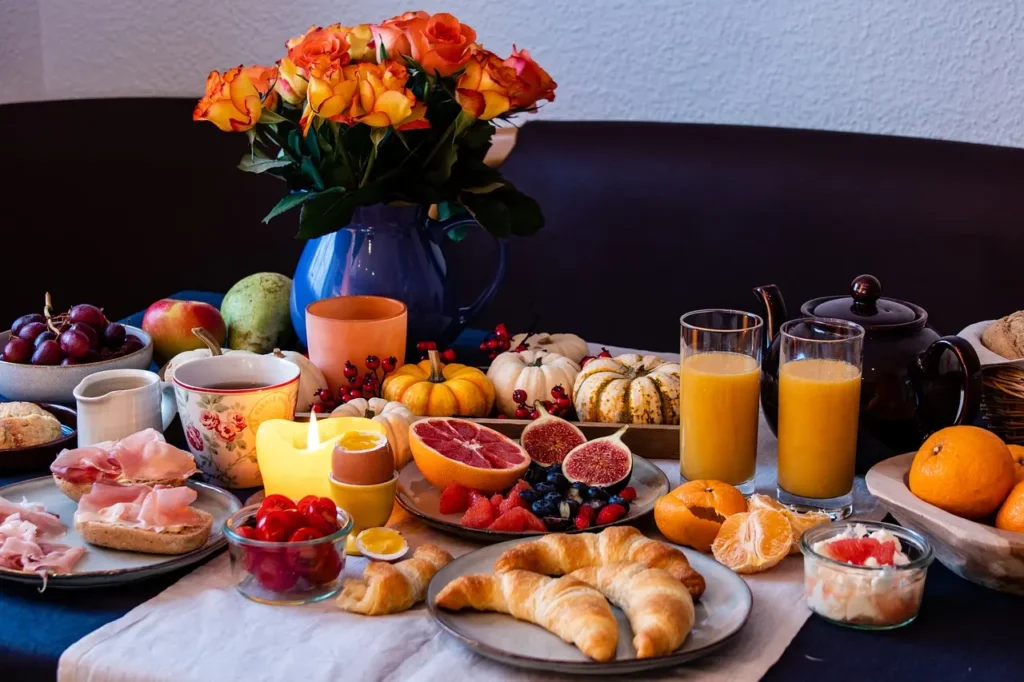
458, 451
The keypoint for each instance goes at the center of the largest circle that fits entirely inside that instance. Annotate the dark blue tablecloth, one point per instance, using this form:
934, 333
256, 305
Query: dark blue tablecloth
964, 632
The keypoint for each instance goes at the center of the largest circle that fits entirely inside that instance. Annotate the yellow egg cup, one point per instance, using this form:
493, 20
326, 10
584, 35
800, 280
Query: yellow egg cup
369, 506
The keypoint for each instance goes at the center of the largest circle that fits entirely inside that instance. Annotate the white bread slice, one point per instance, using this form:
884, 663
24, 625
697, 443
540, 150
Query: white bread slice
145, 540
76, 490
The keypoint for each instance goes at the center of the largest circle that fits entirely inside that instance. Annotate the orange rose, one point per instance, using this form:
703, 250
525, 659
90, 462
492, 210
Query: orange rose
291, 84
319, 44
330, 93
536, 82
364, 93
438, 43
263, 79
360, 41
232, 102
487, 88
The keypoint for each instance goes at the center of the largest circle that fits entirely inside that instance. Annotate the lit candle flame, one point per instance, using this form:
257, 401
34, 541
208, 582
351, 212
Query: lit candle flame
313, 434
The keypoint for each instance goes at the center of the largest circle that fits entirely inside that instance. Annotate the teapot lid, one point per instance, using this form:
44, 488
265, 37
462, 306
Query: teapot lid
866, 306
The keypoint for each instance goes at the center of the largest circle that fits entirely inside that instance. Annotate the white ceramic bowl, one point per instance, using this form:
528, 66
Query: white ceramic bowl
980, 553
54, 383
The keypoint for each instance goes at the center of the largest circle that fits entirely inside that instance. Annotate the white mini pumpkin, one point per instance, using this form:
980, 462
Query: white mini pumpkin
631, 389
181, 358
534, 371
569, 345
311, 379
393, 416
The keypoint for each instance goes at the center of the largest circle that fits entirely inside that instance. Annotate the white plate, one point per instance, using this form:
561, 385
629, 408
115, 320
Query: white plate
101, 566
720, 613
421, 499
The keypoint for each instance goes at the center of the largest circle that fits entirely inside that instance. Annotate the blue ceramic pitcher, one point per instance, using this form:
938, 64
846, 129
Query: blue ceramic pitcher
392, 251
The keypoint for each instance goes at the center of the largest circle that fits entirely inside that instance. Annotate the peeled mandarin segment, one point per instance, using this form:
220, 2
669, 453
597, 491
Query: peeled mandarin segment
751, 542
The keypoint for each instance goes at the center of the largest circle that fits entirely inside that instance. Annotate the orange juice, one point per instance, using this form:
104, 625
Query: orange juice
718, 417
819, 401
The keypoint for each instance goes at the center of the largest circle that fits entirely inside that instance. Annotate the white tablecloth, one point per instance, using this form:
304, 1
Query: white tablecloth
201, 629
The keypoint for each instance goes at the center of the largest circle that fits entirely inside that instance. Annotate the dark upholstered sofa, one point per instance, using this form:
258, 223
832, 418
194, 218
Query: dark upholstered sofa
120, 202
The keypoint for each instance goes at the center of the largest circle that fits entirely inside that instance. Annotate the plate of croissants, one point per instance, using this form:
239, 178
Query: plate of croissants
593, 603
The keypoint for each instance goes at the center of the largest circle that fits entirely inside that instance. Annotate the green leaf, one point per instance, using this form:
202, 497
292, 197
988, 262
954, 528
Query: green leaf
312, 143
486, 189
295, 142
310, 171
251, 163
377, 135
443, 166
288, 203
268, 117
331, 210
504, 211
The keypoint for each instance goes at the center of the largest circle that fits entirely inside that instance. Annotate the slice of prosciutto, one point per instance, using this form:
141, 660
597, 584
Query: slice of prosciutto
49, 525
142, 456
139, 506
27, 533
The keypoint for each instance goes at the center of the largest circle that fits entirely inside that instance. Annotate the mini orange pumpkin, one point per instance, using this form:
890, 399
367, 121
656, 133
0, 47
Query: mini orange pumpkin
434, 389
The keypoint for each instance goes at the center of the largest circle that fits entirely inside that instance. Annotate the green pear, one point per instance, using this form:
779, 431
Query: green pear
255, 311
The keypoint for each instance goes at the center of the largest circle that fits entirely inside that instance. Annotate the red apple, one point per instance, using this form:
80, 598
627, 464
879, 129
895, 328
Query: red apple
170, 324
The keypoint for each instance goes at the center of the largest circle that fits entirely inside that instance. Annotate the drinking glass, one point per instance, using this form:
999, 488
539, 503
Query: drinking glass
819, 405
719, 387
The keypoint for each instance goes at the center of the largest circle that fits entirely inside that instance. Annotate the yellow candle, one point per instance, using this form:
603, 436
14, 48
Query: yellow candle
295, 458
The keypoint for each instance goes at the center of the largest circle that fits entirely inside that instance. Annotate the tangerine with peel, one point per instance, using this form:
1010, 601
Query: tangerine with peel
1011, 514
693, 513
1017, 452
964, 470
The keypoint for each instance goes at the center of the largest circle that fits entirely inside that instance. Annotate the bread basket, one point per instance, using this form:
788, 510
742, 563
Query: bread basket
1002, 391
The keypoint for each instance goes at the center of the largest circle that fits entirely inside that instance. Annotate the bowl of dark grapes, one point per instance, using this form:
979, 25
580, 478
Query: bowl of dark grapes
43, 356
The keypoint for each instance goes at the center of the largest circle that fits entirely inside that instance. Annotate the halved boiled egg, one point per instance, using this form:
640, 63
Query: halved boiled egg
382, 544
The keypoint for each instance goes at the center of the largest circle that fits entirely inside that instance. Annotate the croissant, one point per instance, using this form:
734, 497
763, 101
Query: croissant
659, 607
564, 606
559, 554
386, 588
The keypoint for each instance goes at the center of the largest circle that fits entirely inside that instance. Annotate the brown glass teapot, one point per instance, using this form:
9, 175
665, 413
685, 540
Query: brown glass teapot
912, 386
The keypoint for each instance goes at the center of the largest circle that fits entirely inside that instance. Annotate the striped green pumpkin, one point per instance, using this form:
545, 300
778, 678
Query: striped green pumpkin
628, 389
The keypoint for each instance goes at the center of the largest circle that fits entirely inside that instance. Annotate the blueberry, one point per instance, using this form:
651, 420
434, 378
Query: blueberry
529, 496
553, 497
552, 468
597, 493
535, 474
544, 488
580, 488
616, 499
558, 480
544, 508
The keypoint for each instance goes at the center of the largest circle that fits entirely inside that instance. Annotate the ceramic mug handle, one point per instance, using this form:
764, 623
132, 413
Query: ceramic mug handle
970, 367
467, 313
168, 404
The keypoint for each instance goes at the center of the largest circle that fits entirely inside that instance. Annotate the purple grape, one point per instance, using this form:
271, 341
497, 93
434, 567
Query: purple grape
132, 344
88, 314
17, 350
48, 353
90, 333
107, 352
114, 335
90, 356
45, 336
30, 331
66, 362
74, 343
23, 320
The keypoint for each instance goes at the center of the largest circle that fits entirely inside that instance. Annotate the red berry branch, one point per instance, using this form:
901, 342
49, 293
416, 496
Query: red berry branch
370, 387
605, 353
559, 407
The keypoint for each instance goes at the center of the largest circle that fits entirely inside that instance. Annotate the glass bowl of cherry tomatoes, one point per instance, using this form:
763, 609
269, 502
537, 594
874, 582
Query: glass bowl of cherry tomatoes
287, 552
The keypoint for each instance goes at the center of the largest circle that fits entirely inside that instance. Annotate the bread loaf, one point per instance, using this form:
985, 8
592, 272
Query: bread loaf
1005, 336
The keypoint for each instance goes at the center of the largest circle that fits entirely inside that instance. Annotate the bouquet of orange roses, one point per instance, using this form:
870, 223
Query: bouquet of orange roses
397, 112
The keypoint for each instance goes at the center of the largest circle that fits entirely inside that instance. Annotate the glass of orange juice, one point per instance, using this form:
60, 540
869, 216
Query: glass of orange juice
819, 405
719, 379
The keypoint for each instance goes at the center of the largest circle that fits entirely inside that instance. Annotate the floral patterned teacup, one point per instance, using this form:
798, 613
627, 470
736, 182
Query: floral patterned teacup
222, 401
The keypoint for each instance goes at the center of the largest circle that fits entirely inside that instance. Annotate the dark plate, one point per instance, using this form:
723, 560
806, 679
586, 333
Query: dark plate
39, 457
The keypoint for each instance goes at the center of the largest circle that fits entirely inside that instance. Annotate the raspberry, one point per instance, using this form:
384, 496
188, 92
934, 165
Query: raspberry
610, 514
584, 517
479, 515
454, 499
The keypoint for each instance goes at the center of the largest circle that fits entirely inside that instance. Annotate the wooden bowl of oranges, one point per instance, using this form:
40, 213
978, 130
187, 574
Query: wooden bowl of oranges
964, 490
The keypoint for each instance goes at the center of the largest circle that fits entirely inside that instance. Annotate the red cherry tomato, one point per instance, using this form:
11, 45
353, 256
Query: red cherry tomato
273, 503
327, 569
304, 560
247, 532
278, 525
321, 514
273, 572
305, 533
301, 504
248, 555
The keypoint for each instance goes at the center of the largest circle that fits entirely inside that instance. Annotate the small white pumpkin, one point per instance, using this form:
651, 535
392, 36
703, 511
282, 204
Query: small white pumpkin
393, 416
569, 345
181, 358
631, 389
534, 371
311, 379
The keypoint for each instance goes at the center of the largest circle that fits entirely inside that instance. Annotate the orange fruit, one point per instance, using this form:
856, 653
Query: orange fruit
752, 542
1011, 514
693, 513
964, 470
1017, 452
798, 521
458, 451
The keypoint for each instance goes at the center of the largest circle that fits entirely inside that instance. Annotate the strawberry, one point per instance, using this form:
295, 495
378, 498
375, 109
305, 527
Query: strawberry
532, 522
610, 513
454, 499
511, 520
479, 515
496, 500
584, 517
628, 494
511, 502
474, 496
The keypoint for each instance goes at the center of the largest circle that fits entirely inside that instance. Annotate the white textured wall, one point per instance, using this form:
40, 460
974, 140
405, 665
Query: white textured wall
931, 68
